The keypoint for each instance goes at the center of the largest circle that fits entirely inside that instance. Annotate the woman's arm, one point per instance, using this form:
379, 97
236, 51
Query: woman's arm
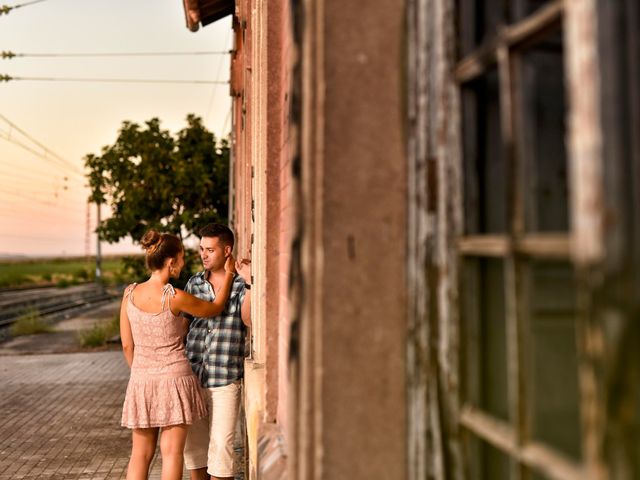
244, 270
126, 337
184, 302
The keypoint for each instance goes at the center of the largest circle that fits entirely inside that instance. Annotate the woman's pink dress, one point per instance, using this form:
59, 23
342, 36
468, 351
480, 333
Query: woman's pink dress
162, 389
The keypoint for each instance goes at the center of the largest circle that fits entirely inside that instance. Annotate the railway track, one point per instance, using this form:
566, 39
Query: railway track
51, 303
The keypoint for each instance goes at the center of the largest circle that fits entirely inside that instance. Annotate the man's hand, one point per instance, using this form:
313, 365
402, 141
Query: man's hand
243, 267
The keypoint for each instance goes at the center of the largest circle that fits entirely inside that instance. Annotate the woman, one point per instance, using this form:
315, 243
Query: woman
163, 394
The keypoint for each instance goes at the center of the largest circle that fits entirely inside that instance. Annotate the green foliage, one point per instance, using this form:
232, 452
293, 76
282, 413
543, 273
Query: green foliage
14, 273
135, 270
65, 282
100, 333
29, 323
192, 264
82, 274
13, 279
152, 180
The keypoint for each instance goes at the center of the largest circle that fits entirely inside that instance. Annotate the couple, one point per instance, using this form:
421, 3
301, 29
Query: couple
191, 401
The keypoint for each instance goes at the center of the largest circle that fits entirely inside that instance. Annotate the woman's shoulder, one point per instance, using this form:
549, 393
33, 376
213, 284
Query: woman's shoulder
129, 288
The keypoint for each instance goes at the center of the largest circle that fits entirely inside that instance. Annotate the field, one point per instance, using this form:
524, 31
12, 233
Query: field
56, 271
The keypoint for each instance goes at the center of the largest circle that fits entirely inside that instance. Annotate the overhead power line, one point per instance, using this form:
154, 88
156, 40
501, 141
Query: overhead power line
12, 174
7, 78
42, 238
213, 93
8, 55
29, 207
226, 120
39, 190
38, 154
39, 200
49, 155
5, 9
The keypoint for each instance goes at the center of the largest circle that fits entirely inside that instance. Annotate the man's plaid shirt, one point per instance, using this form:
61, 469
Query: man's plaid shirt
215, 345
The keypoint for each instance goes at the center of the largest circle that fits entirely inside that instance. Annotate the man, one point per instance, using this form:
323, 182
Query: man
215, 348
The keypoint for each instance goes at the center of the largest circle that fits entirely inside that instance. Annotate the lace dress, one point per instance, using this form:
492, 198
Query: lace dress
162, 389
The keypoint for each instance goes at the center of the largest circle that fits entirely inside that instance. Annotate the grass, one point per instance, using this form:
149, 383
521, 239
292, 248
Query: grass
30, 323
60, 271
100, 333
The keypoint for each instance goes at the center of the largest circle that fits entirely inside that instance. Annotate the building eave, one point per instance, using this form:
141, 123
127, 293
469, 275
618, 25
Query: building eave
206, 11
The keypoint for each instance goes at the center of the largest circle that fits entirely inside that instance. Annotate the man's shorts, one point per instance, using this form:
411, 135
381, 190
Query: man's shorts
210, 439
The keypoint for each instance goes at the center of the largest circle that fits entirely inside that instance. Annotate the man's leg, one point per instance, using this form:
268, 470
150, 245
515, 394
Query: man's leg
197, 445
199, 474
225, 405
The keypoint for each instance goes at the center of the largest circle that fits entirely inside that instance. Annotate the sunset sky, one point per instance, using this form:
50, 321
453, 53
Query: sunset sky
38, 215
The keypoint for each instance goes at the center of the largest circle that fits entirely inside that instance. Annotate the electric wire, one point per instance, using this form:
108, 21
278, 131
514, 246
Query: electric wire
48, 190
9, 178
15, 200
8, 55
62, 161
46, 203
59, 218
58, 193
21, 174
226, 120
7, 78
5, 9
58, 199
215, 87
36, 153
33, 237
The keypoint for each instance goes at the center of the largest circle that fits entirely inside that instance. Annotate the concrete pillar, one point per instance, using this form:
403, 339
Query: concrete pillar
348, 389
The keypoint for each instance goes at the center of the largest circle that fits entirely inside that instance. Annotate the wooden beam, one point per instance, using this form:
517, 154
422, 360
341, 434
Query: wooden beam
519, 34
475, 64
534, 26
545, 245
484, 245
534, 455
534, 245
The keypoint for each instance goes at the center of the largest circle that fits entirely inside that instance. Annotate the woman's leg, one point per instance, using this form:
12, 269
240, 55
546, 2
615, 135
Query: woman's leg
172, 446
143, 447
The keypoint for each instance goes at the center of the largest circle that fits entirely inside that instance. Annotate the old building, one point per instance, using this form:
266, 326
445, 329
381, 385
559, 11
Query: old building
439, 198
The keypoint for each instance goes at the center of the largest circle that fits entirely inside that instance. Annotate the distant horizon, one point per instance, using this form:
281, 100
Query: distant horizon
17, 256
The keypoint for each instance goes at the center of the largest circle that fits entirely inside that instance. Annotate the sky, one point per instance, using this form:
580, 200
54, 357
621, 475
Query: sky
43, 201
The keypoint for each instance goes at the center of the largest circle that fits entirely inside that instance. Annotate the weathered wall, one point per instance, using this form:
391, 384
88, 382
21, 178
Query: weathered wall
350, 295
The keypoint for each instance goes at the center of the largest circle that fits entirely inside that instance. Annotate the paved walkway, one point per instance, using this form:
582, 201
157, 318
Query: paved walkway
61, 411
61, 416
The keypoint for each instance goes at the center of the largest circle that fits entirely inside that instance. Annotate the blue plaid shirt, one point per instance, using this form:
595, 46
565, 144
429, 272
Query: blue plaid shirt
215, 345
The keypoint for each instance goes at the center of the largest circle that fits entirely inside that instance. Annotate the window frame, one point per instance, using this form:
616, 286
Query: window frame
515, 247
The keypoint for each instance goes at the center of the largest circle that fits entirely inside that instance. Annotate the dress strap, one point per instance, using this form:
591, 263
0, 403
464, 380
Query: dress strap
168, 292
128, 292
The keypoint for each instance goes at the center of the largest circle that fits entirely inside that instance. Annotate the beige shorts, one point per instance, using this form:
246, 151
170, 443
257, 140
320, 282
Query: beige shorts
210, 439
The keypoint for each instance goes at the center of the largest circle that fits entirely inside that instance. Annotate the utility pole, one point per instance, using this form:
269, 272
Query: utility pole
98, 253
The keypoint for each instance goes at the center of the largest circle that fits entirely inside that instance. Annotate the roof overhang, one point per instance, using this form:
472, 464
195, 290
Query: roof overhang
206, 11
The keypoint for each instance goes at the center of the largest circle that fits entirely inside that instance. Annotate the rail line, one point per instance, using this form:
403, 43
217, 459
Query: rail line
50, 303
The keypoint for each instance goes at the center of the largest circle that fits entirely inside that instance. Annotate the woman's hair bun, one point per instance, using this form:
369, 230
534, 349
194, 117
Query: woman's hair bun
150, 239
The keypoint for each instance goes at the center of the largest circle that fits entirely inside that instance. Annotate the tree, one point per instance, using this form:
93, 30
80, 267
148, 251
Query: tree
152, 180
